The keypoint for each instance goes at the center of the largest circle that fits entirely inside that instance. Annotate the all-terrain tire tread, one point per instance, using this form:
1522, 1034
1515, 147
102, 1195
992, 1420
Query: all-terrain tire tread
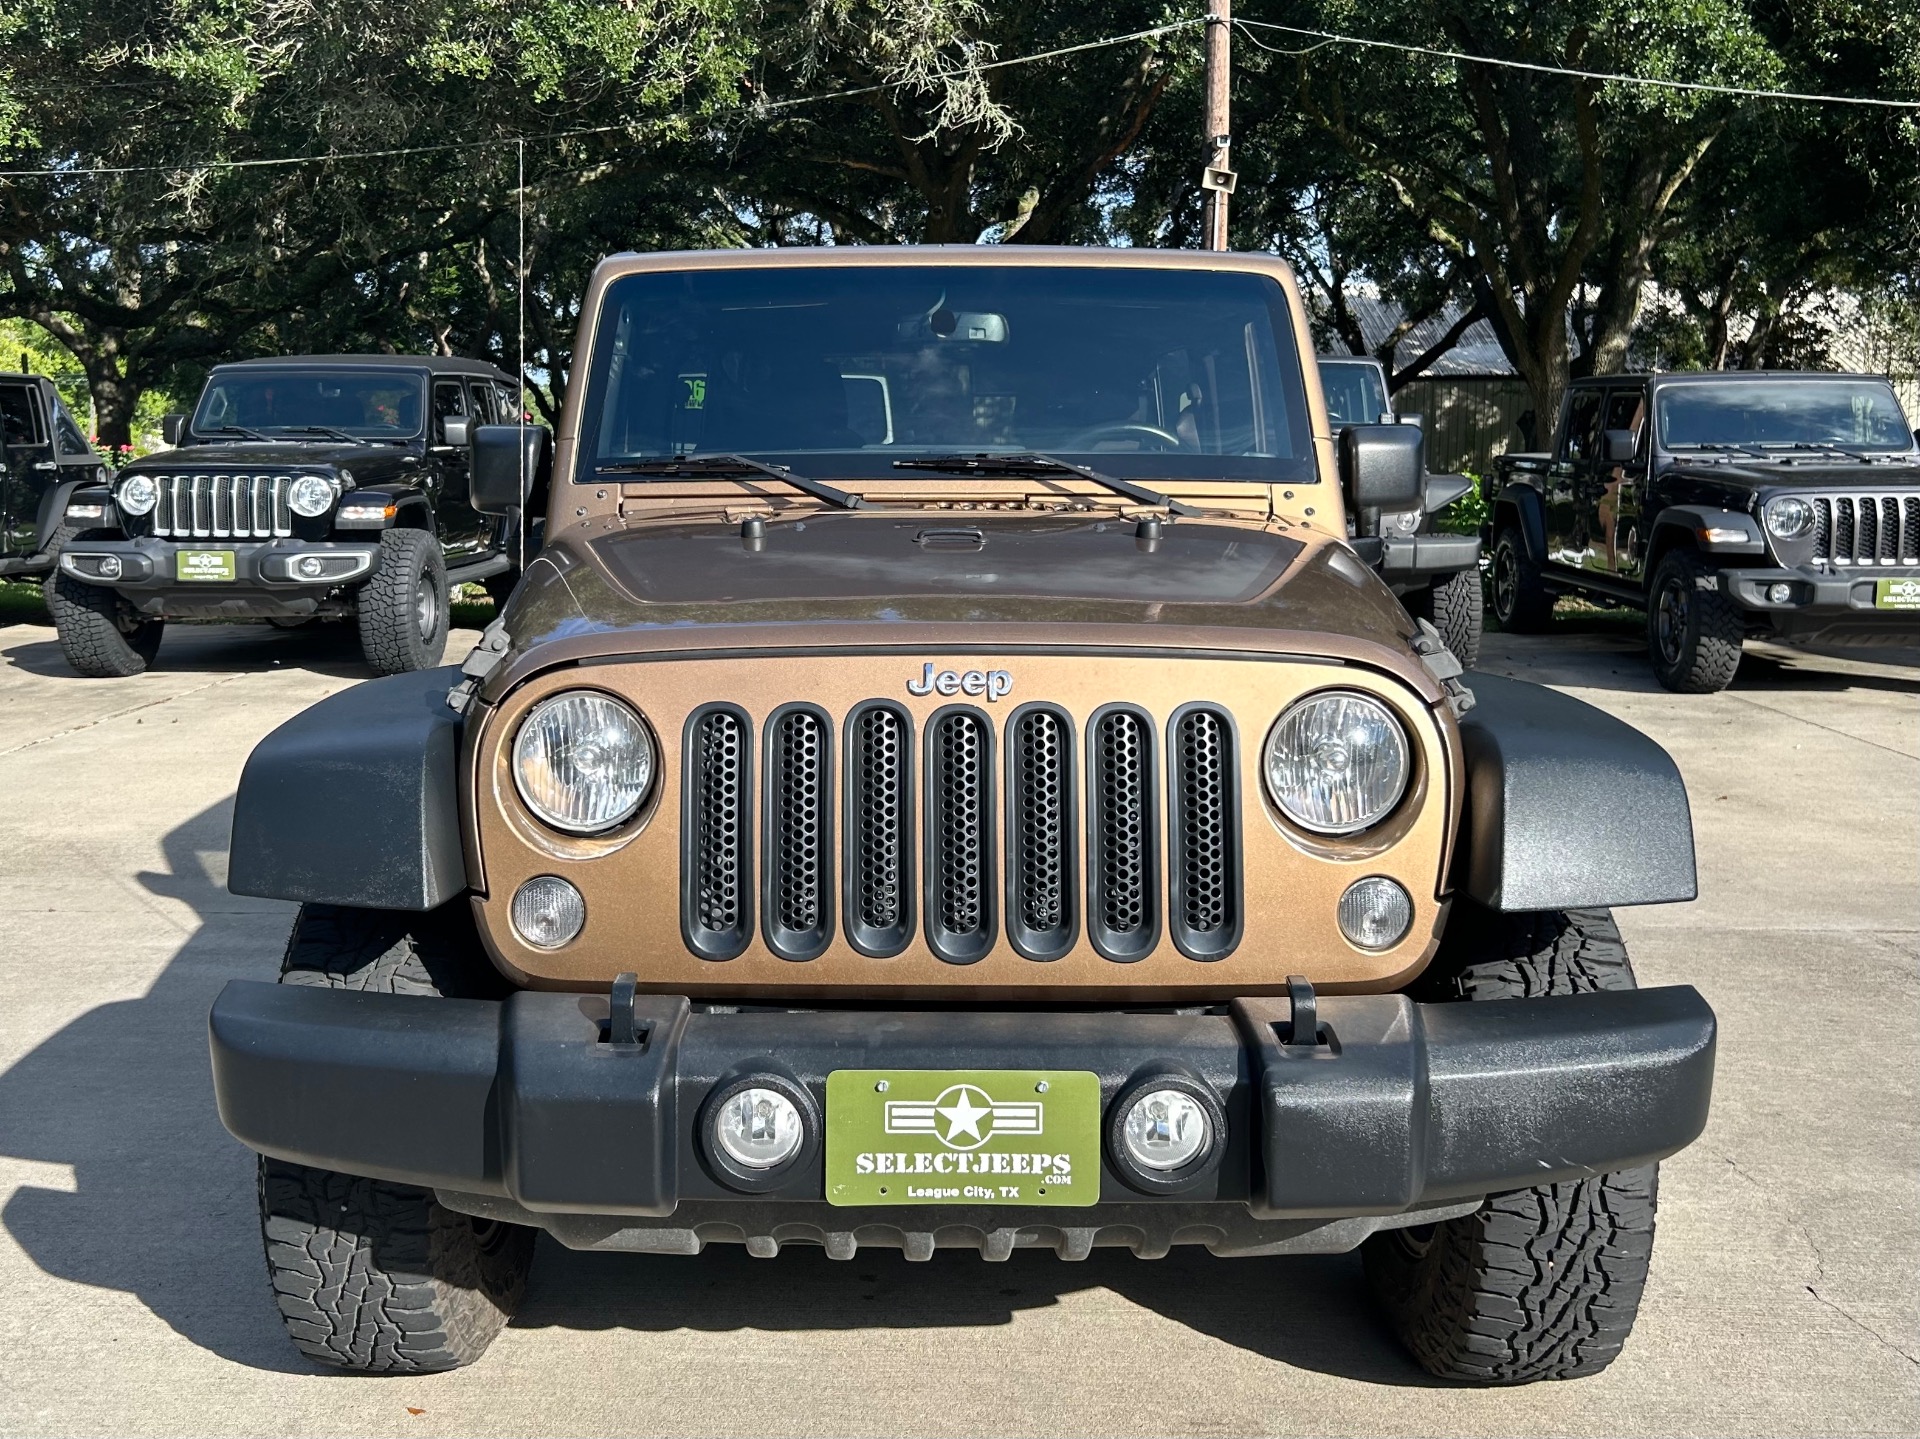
1540, 1283
1715, 653
86, 620
1459, 613
390, 636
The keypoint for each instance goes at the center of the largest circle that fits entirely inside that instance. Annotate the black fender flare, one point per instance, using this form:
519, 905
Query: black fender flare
1521, 506
1695, 522
53, 507
1567, 807
355, 800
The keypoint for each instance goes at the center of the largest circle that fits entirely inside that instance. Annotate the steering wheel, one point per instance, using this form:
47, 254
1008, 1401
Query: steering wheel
1128, 430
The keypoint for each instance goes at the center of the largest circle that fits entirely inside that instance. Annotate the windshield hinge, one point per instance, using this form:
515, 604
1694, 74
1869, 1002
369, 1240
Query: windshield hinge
480, 662
1444, 666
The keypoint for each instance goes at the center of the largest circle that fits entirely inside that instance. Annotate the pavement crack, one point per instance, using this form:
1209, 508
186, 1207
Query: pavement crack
1864, 1327
119, 714
1843, 734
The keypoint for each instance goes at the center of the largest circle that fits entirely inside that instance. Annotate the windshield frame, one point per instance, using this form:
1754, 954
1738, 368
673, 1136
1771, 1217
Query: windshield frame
1285, 381
298, 434
1663, 394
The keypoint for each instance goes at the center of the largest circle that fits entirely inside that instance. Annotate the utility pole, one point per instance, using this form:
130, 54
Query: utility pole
1218, 177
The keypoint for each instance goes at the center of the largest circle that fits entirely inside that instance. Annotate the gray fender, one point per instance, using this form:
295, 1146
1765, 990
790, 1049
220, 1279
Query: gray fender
355, 800
1567, 807
1693, 520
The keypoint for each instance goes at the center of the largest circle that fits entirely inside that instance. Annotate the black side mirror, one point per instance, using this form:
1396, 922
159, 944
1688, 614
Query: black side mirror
454, 431
172, 427
1619, 446
1383, 467
506, 464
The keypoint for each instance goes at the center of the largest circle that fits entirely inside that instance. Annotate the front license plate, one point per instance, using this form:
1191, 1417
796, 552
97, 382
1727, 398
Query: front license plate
946, 1136
1896, 594
203, 564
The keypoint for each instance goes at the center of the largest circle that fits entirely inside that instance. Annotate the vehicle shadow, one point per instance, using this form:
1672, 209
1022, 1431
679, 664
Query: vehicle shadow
162, 1203
330, 648
1606, 656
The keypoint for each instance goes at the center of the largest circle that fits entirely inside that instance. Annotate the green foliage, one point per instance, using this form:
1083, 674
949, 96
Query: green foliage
1471, 513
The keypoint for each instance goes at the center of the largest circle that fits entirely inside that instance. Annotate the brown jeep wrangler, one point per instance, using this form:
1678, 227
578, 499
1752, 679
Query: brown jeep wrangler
949, 781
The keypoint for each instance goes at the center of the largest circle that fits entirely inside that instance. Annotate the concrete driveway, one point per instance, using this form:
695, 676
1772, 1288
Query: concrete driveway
133, 1298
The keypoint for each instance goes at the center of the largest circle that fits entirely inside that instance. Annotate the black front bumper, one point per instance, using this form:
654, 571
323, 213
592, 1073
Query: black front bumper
266, 579
525, 1109
1833, 606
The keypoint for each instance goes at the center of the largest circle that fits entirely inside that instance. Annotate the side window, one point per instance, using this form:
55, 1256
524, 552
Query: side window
1627, 410
449, 400
1582, 443
19, 416
509, 399
68, 437
482, 401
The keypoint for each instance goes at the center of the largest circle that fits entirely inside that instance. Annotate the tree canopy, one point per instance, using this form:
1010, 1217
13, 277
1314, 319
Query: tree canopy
166, 235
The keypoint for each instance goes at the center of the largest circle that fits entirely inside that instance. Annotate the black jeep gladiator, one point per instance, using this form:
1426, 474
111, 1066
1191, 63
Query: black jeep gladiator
310, 487
1728, 506
1436, 575
44, 458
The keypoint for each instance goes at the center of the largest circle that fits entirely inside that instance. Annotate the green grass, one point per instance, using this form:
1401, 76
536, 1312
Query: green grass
20, 604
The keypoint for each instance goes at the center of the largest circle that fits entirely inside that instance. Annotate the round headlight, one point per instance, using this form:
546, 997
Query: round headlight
1375, 913
548, 912
310, 495
138, 495
758, 1129
1165, 1130
582, 761
1336, 762
1789, 517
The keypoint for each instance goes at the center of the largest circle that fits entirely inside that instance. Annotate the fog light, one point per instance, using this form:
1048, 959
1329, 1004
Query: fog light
548, 912
109, 567
758, 1129
1165, 1130
1780, 594
1375, 913
311, 566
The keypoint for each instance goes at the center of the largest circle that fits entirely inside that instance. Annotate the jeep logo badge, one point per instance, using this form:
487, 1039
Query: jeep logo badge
994, 684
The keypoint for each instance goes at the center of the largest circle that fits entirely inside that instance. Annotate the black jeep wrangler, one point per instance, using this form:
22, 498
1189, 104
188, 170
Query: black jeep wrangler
1778, 505
303, 488
44, 458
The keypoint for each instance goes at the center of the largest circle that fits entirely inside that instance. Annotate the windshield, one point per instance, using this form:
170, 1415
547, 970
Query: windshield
367, 403
1855, 414
841, 371
1355, 395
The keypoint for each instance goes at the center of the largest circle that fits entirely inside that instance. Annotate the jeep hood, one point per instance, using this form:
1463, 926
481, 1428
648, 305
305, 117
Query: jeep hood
946, 580
268, 454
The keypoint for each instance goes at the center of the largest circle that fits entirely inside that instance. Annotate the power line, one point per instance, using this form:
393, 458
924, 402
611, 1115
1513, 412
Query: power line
1328, 37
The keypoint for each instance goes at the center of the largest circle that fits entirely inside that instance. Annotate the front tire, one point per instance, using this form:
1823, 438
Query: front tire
102, 636
371, 1275
1540, 1283
1521, 602
1456, 607
1694, 632
403, 608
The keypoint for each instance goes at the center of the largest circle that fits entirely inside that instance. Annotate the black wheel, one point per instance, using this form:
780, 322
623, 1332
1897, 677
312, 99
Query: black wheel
403, 608
102, 636
1540, 1283
1456, 608
1694, 631
1520, 600
372, 1275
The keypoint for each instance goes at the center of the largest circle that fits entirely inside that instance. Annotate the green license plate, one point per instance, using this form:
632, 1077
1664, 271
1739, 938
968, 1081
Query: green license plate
1896, 594
978, 1136
203, 564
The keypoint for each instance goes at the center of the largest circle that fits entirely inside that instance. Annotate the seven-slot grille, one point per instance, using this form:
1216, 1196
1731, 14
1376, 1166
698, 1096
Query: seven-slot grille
223, 507
1005, 814
1867, 529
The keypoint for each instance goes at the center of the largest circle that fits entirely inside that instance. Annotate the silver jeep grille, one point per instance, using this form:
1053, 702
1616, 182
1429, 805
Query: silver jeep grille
223, 507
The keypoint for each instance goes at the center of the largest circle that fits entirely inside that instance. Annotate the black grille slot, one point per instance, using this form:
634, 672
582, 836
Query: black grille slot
798, 899
1843, 529
1122, 885
959, 805
1040, 831
1910, 531
878, 823
1204, 850
716, 908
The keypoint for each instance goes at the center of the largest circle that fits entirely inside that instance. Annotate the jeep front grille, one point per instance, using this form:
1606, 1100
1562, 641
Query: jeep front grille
1867, 529
846, 792
237, 507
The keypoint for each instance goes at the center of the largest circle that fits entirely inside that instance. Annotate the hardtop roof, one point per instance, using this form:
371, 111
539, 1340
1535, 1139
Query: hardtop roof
434, 364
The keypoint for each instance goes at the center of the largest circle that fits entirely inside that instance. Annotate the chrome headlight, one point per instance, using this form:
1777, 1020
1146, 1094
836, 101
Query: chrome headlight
311, 495
138, 494
1337, 762
583, 761
1789, 517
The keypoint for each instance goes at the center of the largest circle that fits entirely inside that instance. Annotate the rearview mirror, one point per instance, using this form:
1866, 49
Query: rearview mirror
506, 464
453, 431
1383, 467
1619, 446
172, 427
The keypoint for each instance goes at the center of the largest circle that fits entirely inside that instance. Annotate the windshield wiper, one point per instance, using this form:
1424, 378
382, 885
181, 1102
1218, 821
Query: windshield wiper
1827, 447
1036, 465
240, 430
734, 465
327, 430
